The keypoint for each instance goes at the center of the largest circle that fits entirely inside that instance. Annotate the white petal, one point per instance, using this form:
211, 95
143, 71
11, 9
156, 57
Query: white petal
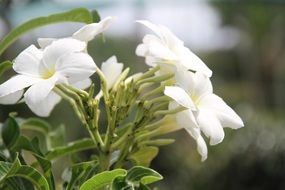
75, 66
197, 84
193, 62
163, 47
59, 48
202, 148
82, 84
27, 62
169, 37
151, 61
148, 38
88, 32
185, 79
112, 70
159, 50
17, 83
185, 119
202, 85
201, 144
11, 98
44, 42
45, 107
37, 97
225, 114
210, 125
180, 96
141, 50
151, 26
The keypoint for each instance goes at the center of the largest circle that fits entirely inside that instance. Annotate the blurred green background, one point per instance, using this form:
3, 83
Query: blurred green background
242, 41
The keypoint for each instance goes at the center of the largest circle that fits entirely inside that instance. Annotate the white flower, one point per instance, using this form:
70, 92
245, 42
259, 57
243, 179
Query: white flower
112, 70
60, 62
206, 111
85, 34
167, 50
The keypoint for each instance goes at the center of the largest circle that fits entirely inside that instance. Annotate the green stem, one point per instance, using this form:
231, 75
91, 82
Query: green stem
122, 139
156, 79
72, 102
104, 161
153, 92
157, 100
112, 124
173, 111
74, 95
82, 93
149, 73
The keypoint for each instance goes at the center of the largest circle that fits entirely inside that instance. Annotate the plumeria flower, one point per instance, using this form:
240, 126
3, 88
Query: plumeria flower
112, 70
59, 61
63, 61
167, 50
85, 34
206, 111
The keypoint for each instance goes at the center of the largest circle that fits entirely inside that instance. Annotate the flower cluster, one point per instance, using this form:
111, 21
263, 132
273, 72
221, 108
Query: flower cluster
193, 90
58, 61
66, 61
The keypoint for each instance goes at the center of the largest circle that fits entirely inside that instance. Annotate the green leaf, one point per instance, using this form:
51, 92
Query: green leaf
143, 175
5, 66
119, 183
57, 137
47, 169
143, 187
102, 179
136, 179
75, 15
70, 148
95, 16
8, 170
80, 173
144, 156
23, 143
36, 124
10, 132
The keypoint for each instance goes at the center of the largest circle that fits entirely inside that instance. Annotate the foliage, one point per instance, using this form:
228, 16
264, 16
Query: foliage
46, 143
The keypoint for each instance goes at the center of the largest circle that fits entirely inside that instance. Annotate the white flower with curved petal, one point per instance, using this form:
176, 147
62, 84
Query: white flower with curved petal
60, 62
112, 70
167, 50
85, 34
206, 111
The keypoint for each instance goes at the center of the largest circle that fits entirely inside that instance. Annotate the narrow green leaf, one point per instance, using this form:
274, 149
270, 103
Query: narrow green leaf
144, 156
8, 170
139, 174
36, 124
75, 15
10, 132
102, 179
76, 146
5, 66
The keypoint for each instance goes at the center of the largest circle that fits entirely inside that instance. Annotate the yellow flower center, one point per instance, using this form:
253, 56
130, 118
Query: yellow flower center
48, 73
